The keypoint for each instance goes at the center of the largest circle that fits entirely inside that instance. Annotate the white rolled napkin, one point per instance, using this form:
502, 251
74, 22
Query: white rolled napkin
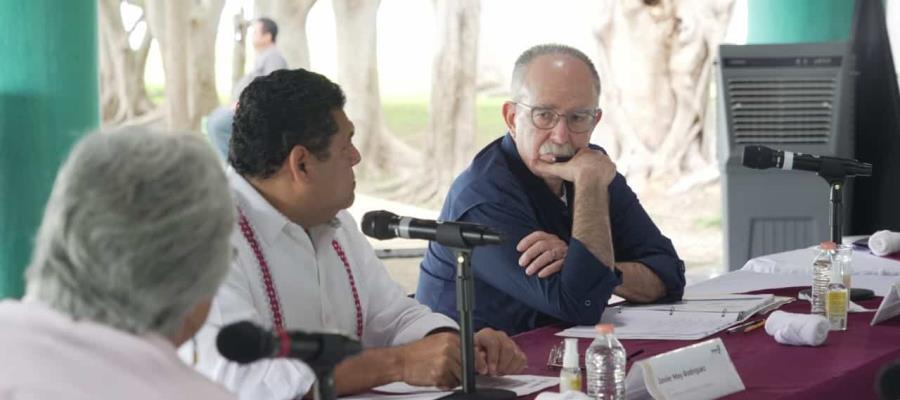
885, 242
567, 395
797, 329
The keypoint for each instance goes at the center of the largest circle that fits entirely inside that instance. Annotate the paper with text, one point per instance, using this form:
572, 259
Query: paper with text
890, 306
696, 372
691, 319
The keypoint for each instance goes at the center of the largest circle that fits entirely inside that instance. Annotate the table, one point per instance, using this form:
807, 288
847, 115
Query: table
800, 262
845, 367
744, 281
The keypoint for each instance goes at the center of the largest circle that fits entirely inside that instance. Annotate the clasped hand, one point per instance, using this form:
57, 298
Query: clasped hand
436, 360
585, 164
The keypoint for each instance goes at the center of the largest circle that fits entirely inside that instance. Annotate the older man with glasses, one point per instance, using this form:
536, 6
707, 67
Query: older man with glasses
575, 232
132, 248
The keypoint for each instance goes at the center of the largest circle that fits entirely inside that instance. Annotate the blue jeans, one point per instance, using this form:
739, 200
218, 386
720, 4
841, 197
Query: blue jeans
218, 127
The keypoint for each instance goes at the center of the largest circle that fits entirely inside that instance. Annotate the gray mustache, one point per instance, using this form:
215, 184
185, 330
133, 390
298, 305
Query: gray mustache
567, 149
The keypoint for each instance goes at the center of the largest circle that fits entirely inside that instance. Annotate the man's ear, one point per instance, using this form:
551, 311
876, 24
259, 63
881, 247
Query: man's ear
192, 322
297, 163
509, 116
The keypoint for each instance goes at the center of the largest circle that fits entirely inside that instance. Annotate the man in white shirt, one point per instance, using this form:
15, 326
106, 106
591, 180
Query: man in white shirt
303, 264
132, 247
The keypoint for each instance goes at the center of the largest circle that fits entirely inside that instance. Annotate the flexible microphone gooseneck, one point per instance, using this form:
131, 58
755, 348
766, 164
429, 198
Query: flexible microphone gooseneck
387, 225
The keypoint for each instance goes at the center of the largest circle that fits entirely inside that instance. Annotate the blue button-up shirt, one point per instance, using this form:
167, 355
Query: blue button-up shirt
499, 191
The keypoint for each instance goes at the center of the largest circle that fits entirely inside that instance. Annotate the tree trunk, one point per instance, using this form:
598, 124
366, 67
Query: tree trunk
657, 85
123, 95
184, 30
263, 8
239, 50
156, 20
450, 141
616, 132
201, 67
358, 76
636, 70
701, 26
175, 59
290, 15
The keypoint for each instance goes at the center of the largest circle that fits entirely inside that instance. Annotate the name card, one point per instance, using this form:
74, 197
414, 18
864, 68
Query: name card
890, 306
700, 371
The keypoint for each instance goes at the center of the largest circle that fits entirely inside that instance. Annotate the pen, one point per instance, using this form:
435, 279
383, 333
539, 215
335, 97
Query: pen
742, 325
635, 354
755, 326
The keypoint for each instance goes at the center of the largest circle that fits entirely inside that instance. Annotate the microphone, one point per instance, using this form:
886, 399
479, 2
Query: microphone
761, 157
887, 384
244, 342
386, 225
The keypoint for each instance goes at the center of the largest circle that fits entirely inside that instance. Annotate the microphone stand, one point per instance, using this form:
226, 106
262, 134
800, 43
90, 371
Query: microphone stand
334, 349
324, 385
465, 304
836, 175
837, 207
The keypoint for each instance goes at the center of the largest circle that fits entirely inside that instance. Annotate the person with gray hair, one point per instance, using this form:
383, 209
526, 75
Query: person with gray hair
133, 245
576, 233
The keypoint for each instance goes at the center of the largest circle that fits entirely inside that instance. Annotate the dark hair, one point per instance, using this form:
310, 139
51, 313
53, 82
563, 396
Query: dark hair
525, 59
269, 26
279, 111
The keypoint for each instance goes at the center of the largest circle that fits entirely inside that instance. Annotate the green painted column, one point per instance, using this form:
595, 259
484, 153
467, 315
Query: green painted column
49, 84
798, 21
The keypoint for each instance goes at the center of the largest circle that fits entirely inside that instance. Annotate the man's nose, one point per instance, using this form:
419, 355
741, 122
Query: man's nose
356, 156
560, 132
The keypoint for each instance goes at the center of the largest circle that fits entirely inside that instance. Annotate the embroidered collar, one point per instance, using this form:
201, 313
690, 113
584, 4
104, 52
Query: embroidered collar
268, 222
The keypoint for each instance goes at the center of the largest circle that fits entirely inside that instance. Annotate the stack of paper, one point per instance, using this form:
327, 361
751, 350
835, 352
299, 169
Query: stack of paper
693, 318
522, 385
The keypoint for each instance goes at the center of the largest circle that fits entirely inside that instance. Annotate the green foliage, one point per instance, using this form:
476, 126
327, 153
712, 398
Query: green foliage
407, 118
489, 120
157, 93
708, 222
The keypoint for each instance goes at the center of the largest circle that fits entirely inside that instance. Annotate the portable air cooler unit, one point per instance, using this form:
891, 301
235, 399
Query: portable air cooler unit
795, 97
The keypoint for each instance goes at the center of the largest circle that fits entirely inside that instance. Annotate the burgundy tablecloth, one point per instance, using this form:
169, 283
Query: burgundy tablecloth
845, 367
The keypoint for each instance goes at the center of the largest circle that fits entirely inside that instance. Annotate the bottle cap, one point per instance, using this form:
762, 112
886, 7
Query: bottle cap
827, 245
604, 328
570, 355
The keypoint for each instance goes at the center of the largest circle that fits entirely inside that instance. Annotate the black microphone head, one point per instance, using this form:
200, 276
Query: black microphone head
244, 342
759, 157
376, 224
862, 169
888, 382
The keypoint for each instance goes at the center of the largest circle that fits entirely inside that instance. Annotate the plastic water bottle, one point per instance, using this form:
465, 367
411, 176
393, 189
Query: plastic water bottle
605, 362
821, 277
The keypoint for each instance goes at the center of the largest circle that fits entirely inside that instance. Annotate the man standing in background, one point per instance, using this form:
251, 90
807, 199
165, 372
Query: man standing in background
263, 34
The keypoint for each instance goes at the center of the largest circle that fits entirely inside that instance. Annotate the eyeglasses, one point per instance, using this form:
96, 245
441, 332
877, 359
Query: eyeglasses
578, 121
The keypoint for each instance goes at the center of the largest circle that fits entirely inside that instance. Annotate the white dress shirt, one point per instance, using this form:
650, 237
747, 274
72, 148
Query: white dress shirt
45, 354
313, 290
